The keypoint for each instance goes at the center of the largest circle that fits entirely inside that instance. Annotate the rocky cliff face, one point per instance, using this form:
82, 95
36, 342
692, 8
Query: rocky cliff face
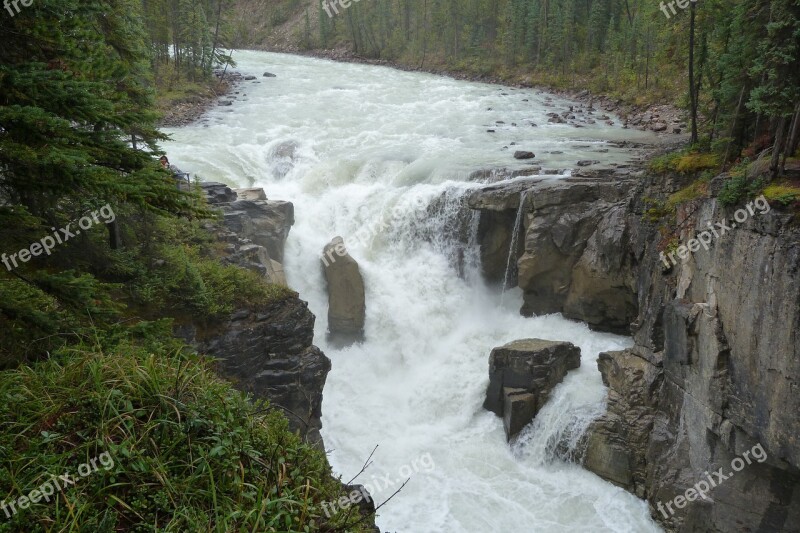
572, 255
715, 370
268, 350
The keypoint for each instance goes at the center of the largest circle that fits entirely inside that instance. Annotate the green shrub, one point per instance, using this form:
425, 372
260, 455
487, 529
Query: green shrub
696, 162
665, 163
655, 210
183, 281
690, 162
696, 190
738, 188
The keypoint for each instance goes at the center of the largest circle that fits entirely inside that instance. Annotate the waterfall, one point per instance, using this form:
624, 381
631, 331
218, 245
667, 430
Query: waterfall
365, 150
558, 431
511, 264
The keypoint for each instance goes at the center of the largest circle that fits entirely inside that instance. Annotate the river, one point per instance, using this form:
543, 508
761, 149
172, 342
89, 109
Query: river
357, 146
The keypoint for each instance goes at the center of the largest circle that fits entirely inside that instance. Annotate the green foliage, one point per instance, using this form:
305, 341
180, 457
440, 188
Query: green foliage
745, 53
185, 283
655, 210
189, 453
684, 162
738, 188
695, 162
665, 163
783, 193
187, 37
172, 267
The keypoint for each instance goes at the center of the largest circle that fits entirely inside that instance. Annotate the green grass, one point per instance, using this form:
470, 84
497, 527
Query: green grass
696, 190
190, 453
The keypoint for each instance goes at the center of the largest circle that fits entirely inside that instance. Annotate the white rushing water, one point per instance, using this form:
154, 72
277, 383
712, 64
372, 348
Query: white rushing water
375, 146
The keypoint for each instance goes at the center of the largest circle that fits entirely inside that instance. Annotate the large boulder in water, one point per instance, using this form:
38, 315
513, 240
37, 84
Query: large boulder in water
346, 295
522, 374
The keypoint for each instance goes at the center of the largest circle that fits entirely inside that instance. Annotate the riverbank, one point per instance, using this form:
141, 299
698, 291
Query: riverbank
187, 102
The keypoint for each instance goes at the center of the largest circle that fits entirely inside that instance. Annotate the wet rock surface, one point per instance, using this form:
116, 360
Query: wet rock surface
522, 375
346, 294
266, 350
572, 255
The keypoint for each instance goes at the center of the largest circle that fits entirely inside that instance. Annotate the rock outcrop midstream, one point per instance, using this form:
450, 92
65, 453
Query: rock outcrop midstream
346, 295
522, 375
715, 370
571, 256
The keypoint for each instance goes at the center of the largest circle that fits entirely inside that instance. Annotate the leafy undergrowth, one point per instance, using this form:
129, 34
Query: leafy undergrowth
183, 450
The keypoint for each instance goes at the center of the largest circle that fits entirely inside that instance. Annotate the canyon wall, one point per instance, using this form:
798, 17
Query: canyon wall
715, 369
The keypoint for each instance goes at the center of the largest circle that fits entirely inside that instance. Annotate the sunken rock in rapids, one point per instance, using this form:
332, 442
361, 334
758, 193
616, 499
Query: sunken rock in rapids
346, 295
522, 375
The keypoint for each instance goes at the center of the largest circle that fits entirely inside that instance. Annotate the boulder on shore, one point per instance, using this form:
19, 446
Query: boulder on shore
346, 295
522, 374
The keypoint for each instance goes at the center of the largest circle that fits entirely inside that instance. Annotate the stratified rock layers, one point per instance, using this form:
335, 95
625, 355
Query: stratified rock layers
266, 350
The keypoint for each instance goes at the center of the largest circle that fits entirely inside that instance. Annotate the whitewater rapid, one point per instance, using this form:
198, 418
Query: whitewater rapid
356, 147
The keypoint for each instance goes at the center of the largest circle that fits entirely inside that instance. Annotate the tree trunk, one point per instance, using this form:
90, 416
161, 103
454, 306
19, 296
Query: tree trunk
777, 148
113, 235
794, 136
733, 126
216, 36
692, 91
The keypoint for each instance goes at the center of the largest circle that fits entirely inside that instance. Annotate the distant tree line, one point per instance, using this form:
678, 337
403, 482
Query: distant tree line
189, 36
734, 64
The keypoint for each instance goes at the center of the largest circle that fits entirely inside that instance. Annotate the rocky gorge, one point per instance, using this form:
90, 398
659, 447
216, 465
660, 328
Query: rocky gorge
688, 387
686, 400
715, 365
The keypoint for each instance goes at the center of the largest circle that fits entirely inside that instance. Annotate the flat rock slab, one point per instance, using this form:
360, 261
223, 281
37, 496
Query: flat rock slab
522, 375
251, 194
